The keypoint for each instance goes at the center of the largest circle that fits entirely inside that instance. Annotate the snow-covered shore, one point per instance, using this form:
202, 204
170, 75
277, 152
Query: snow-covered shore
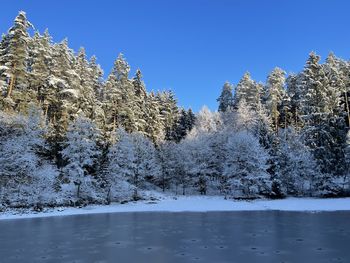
194, 204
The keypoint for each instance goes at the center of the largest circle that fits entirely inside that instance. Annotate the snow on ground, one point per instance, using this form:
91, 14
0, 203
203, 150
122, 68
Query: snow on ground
195, 204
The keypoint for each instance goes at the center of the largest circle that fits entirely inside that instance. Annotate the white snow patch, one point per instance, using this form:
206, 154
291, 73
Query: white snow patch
197, 204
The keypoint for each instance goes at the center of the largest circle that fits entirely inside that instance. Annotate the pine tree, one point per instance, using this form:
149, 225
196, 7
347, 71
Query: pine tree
14, 56
153, 118
249, 90
41, 69
347, 161
294, 89
297, 168
140, 102
96, 83
120, 97
226, 98
274, 95
245, 117
335, 84
169, 112
314, 100
85, 88
184, 125
318, 116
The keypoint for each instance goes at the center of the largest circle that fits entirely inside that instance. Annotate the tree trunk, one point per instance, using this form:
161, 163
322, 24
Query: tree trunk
12, 83
163, 184
276, 125
109, 196
347, 107
78, 191
46, 111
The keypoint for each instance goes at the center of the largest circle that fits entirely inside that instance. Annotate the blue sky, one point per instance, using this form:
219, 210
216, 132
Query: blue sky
193, 46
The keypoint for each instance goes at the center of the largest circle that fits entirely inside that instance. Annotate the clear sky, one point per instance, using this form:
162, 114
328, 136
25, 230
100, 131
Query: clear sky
193, 46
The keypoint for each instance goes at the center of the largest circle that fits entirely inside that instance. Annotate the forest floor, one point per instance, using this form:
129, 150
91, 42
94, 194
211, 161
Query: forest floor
191, 204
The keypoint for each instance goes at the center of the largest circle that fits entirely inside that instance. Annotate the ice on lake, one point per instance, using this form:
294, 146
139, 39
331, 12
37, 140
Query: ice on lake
260, 236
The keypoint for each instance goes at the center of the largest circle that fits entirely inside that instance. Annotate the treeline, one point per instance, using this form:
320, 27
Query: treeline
69, 136
64, 88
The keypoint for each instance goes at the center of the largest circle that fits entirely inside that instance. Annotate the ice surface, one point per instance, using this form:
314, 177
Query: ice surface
217, 237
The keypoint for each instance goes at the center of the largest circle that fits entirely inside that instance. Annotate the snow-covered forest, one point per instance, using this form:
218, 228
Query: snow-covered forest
68, 136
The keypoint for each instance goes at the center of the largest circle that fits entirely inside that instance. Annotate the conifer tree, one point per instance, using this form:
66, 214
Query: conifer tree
347, 158
318, 116
297, 168
154, 123
140, 101
14, 57
226, 98
184, 125
249, 90
274, 95
294, 89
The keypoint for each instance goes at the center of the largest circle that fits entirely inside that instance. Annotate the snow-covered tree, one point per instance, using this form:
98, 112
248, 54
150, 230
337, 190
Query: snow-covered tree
226, 97
206, 122
274, 95
184, 125
319, 119
167, 159
14, 53
154, 124
121, 164
246, 165
81, 152
132, 158
169, 112
140, 101
294, 89
245, 117
194, 157
297, 168
22, 145
146, 163
249, 90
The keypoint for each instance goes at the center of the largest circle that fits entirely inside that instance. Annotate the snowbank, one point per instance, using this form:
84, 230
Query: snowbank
196, 204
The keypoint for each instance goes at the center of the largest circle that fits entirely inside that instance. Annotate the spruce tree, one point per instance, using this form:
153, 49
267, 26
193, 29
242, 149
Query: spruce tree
319, 117
14, 56
140, 102
249, 90
274, 95
226, 98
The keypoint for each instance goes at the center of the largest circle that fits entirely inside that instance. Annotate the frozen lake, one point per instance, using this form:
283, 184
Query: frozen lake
263, 236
